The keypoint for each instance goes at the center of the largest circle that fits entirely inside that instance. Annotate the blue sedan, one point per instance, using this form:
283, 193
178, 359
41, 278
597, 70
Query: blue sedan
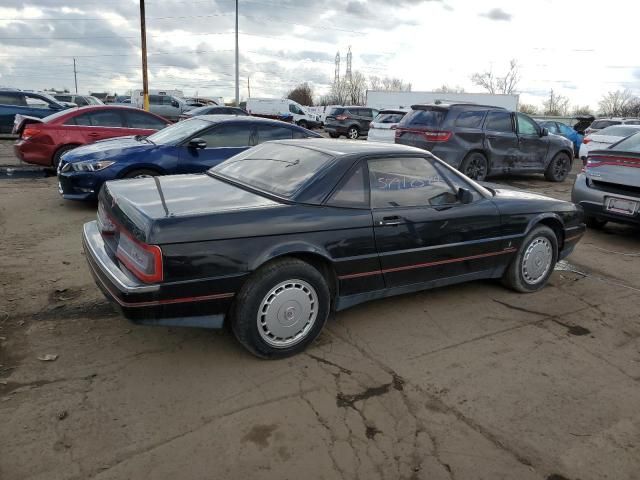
190, 146
559, 128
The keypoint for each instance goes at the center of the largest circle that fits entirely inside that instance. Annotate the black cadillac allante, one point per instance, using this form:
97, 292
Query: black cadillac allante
277, 237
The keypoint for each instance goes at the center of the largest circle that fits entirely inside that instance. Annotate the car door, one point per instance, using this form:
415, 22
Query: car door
423, 231
532, 145
223, 141
105, 123
500, 140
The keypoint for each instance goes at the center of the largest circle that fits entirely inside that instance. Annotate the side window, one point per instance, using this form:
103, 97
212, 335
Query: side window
499, 122
6, 99
64, 98
408, 182
353, 192
80, 101
565, 130
271, 132
228, 136
105, 118
295, 109
470, 119
299, 134
83, 120
526, 126
142, 120
458, 182
366, 112
155, 100
166, 99
35, 102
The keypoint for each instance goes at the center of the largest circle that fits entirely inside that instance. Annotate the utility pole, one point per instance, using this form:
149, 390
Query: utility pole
237, 61
145, 80
75, 74
249, 86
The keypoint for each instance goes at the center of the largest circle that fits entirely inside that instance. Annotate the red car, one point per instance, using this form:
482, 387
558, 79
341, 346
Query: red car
43, 141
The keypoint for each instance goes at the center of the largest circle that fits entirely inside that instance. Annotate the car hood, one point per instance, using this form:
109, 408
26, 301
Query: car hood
105, 149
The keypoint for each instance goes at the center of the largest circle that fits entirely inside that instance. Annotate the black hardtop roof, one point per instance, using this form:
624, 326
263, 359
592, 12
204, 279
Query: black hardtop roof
339, 148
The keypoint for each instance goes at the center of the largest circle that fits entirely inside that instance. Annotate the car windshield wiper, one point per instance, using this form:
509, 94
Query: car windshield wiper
144, 138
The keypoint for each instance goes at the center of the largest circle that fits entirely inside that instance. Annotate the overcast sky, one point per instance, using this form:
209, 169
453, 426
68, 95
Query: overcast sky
581, 49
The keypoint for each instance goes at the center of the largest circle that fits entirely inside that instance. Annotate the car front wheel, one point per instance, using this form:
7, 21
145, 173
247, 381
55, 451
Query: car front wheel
142, 173
281, 309
559, 168
353, 133
533, 265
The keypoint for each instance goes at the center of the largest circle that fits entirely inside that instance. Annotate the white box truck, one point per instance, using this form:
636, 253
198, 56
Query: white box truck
403, 100
282, 109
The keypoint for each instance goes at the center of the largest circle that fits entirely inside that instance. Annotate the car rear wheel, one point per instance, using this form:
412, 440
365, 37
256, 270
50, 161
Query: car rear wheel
141, 173
281, 309
55, 161
559, 168
353, 133
334, 135
303, 124
533, 265
593, 222
475, 166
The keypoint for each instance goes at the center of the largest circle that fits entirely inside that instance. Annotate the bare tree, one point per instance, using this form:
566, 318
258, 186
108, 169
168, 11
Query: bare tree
303, 94
528, 108
388, 84
581, 110
504, 84
620, 103
444, 88
357, 89
557, 105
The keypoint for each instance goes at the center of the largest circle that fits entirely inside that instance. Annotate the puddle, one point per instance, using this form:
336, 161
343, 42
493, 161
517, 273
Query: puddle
10, 173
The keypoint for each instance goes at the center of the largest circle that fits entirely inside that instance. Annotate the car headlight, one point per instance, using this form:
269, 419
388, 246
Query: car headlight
92, 165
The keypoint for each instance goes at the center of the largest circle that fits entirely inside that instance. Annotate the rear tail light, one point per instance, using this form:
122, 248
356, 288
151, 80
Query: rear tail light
30, 132
586, 140
144, 261
342, 117
105, 224
437, 136
394, 127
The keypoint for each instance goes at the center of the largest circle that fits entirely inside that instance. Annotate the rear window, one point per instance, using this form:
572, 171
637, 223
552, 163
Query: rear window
336, 111
618, 131
631, 144
388, 117
470, 119
431, 118
604, 123
275, 168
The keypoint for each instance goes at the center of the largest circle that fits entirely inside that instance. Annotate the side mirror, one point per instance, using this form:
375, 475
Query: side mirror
198, 143
465, 196
174, 103
544, 132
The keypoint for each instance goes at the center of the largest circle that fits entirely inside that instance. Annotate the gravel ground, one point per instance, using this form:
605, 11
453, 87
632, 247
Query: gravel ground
465, 382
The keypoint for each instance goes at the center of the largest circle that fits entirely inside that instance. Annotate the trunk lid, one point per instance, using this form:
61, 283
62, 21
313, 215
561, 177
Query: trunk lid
614, 167
155, 209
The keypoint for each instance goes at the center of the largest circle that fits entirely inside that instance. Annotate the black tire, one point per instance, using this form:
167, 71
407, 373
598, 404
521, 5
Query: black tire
55, 161
595, 223
558, 168
303, 124
141, 173
353, 133
334, 135
250, 309
514, 276
475, 166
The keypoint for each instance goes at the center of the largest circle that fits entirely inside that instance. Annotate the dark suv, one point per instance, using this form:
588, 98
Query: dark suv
481, 140
351, 122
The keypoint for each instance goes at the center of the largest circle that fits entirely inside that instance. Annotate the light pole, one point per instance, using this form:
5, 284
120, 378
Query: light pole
237, 62
145, 81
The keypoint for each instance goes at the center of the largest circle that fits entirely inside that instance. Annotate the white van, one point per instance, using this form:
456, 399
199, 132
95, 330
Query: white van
280, 109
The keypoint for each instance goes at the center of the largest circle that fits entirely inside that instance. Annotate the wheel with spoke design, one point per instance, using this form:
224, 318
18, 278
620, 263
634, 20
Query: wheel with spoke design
475, 166
142, 173
534, 262
558, 168
281, 308
353, 133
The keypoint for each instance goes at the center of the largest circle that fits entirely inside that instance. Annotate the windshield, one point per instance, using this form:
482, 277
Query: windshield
630, 144
93, 101
618, 131
274, 167
178, 132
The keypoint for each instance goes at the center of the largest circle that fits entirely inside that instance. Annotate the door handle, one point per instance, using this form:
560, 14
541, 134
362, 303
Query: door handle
93, 134
392, 220
492, 137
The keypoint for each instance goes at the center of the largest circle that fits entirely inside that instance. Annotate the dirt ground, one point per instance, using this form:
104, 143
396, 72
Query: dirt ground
465, 382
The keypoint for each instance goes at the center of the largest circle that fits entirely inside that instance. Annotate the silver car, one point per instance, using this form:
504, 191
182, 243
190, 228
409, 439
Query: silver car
608, 189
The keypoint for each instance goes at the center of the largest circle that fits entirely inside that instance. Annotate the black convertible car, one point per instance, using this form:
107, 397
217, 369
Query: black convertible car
278, 236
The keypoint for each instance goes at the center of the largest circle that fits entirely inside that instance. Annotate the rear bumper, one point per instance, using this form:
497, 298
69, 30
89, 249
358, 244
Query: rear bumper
592, 200
381, 135
151, 304
34, 153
